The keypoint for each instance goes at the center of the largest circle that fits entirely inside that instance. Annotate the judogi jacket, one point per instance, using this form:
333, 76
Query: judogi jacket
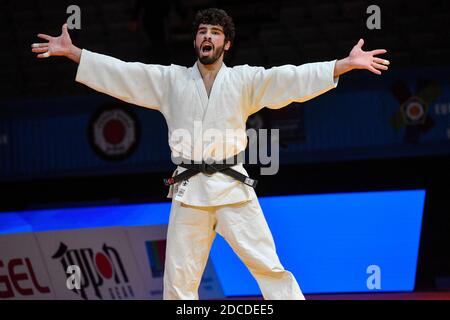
180, 95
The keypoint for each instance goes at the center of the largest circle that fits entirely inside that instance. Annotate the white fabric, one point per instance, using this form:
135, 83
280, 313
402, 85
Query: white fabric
204, 205
191, 233
180, 95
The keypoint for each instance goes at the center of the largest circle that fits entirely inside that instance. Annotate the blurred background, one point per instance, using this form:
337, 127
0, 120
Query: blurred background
62, 147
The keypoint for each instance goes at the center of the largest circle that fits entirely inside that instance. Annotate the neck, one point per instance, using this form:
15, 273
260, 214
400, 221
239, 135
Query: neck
209, 70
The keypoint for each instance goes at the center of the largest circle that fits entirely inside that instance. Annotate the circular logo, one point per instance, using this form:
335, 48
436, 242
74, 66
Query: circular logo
414, 110
103, 265
114, 132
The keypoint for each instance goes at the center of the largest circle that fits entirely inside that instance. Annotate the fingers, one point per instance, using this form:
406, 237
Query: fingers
44, 36
378, 51
42, 48
44, 55
379, 66
360, 43
381, 61
372, 69
39, 45
39, 50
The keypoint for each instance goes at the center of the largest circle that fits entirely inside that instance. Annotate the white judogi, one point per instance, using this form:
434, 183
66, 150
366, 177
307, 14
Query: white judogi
213, 202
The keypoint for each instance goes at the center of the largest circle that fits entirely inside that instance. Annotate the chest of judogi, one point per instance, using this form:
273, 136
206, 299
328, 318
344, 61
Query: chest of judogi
215, 124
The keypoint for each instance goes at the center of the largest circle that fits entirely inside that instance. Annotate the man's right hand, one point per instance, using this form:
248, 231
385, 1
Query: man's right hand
57, 46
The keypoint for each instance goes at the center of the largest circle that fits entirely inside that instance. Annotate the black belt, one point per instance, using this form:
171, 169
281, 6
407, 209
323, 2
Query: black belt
209, 169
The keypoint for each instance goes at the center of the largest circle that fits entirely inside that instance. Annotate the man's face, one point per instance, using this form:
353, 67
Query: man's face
210, 43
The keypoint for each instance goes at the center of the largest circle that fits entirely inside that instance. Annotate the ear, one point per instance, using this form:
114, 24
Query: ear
194, 43
227, 45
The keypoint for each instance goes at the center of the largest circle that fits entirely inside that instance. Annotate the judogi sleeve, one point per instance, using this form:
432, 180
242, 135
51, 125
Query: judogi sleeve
279, 86
133, 82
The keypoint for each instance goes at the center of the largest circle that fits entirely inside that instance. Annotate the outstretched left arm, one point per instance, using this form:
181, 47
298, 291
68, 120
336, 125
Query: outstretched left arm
359, 59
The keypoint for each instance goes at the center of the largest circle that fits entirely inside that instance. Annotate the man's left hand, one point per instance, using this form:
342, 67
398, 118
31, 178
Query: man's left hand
359, 59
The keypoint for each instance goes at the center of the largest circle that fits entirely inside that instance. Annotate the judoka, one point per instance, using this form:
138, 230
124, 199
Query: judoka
209, 199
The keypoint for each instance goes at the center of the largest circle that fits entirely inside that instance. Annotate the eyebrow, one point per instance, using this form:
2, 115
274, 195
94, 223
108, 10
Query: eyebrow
213, 28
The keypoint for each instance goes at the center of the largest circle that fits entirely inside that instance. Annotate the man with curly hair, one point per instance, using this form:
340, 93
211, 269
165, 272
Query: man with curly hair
212, 197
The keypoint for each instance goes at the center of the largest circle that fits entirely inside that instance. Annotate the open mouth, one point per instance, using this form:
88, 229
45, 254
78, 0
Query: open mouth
207, 48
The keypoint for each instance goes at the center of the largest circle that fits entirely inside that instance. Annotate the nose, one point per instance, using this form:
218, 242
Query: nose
207, 35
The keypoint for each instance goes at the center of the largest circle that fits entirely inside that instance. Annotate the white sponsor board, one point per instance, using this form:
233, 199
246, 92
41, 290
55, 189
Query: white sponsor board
23, 274
103, 257
148, 245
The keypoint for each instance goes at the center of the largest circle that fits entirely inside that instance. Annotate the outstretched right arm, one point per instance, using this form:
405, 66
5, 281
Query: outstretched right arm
133, 82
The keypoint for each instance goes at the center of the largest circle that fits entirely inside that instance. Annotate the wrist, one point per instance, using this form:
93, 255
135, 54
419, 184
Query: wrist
342, 66
74, 53
347, 64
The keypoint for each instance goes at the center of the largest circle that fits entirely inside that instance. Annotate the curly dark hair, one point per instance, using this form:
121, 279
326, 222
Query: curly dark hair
215, 16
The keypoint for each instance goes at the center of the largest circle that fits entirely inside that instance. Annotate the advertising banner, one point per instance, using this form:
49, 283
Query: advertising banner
91, 264
23, 274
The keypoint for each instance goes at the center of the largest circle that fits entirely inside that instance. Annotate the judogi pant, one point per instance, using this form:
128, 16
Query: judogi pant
191, 232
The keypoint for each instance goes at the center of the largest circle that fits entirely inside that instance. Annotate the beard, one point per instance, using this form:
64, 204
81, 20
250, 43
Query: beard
207, 60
